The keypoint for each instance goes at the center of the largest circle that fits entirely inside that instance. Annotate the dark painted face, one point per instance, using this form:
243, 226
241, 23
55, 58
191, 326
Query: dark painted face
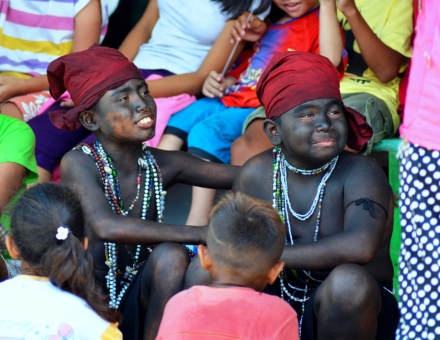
312, 133
127, 113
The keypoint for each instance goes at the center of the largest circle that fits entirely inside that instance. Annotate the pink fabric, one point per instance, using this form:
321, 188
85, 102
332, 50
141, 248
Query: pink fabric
64, 97
203, 312
421, 119
166, 107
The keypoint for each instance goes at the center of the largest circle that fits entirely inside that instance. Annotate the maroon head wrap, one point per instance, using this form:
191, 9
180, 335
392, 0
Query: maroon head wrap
293, 78
87, 75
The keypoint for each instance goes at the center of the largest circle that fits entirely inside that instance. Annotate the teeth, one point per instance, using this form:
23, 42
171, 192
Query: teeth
145, 120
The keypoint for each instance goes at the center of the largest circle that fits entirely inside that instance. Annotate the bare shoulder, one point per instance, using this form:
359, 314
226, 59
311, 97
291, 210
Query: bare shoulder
255, 176
75, 165
358, 167
364, 177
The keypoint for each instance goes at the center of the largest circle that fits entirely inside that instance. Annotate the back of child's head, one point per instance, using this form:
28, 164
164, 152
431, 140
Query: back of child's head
47, 227
245, 234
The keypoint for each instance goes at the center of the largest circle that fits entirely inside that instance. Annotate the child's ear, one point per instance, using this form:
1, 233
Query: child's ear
87, 119
204, 257
271, 130
12, 248
274, 272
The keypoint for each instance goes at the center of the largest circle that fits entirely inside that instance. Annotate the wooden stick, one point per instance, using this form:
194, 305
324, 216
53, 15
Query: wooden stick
235, 47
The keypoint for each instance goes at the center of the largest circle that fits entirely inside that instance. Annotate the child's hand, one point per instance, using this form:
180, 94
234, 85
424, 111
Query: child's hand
347, 6
67, 103
249, 29
214, 86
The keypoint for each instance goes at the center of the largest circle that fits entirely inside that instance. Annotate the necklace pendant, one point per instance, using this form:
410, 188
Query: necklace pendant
109, 263
86, 150
142, 163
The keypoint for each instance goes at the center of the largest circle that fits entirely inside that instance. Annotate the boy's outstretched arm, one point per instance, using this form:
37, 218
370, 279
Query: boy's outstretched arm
80, 174
182, 167
330, 39
383, 60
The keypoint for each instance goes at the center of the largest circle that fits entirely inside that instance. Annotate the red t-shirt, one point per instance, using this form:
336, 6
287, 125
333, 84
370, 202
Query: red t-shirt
203, 312
301, 34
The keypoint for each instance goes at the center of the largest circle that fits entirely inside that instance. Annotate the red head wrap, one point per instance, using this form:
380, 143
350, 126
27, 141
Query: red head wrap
293, 78
87, 75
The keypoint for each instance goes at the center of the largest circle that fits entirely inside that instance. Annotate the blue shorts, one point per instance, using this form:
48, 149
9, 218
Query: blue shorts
209, 127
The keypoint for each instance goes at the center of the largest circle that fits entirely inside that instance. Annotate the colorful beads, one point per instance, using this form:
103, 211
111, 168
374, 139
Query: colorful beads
112, 192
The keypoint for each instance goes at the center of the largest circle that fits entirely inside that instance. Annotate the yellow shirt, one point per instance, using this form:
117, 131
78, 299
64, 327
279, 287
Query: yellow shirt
392, 22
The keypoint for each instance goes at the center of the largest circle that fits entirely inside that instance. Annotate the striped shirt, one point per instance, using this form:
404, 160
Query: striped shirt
35, 32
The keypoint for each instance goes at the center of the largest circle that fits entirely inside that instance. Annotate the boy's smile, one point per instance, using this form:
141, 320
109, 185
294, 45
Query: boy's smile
296, 8
313, 132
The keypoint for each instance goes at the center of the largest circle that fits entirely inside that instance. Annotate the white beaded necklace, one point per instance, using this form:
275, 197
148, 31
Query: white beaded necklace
281, 203
112, 193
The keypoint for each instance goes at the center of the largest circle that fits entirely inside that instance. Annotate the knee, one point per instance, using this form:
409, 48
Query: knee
351, 288
170, 258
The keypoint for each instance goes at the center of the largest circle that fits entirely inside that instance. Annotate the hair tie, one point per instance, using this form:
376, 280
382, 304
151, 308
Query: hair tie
62, 233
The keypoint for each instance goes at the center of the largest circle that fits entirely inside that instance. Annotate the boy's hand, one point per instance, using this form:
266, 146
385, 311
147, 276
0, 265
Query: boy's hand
347, 6
214, 86
248, 28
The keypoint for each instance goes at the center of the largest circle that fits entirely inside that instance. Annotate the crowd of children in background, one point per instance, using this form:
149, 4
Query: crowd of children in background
202, 62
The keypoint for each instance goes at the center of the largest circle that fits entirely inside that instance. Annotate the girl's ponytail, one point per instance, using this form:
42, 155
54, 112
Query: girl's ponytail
47, 226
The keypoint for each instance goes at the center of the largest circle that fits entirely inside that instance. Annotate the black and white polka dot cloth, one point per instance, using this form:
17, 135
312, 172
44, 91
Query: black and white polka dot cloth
419, 276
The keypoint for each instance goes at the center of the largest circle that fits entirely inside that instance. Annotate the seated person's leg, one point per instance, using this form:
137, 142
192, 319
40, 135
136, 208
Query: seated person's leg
350, 304
181, 123
211, 140
161, 278
52, 143
196, 275
202, 201
377, 113
252, 142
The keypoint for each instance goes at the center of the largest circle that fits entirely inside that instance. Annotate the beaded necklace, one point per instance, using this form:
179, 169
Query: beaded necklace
281, 203
112, 192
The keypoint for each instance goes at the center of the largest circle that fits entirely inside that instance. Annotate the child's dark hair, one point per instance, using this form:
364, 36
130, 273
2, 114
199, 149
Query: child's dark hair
236, 8
245, 233
36, 217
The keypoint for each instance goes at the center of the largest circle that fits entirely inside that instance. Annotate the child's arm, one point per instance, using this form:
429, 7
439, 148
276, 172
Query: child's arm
216, 85
141, 33
80, 174
330, 39
192, 83
381, 59
182, 167
86, 32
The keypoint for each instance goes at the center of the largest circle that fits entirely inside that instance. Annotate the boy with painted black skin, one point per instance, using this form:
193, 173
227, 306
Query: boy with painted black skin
112, 100
338, 270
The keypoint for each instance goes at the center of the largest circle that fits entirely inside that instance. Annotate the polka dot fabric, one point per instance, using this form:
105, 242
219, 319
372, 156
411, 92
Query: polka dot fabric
419, 259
